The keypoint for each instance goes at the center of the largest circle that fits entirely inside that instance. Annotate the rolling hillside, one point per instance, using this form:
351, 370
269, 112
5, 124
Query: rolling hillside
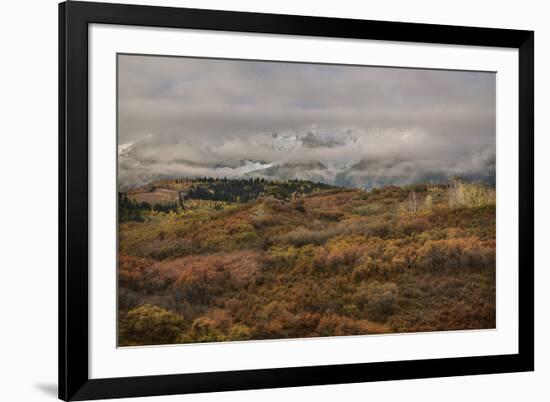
219, 260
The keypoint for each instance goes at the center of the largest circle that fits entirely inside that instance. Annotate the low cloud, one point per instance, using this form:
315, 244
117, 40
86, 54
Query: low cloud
198, 117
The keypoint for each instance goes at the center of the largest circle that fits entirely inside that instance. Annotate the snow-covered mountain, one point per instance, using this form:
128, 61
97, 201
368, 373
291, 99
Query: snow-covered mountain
336, 158
314, 139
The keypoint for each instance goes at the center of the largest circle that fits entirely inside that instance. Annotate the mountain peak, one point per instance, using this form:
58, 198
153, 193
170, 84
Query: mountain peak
316, 139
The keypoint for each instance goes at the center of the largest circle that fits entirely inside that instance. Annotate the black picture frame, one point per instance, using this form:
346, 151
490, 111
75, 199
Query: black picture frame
74, 381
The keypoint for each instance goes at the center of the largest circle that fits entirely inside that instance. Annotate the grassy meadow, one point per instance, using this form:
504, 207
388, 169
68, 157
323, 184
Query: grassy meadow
212, 260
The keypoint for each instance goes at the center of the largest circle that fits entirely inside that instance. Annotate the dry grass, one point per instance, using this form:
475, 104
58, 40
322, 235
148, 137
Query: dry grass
462, 194
160, 196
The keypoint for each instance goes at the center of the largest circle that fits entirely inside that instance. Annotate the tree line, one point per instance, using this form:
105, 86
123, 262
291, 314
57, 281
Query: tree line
220, 189
244, 190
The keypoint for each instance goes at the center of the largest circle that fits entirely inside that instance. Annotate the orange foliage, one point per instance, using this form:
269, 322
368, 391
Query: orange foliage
335, 262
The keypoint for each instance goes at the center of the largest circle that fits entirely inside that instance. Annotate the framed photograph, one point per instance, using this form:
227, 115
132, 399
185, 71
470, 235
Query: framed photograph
257, 200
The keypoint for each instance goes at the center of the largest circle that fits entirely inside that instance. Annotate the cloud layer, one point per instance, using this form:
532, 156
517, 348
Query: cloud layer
365, 125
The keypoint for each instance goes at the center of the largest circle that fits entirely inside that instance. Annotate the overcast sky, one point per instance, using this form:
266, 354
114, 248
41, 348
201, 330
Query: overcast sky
189, 112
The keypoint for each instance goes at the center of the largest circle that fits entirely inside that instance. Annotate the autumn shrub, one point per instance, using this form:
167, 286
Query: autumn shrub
381, 227
376, 268
328, 215
337, 325
321, 260
141, 274
279, 257
344, 256
389, 193
242, 229
305, 323
228, 235
298, 205
458, 253
214, 326
305, 260
274, 320
195, 279
302, 236
466, 316
378, 226
128, 299
378, 299
168, 248
278, 205
361, 272
410, 224
369, 209
149, 325
262, 218
200, 278
239, 332
204, 329
133, 270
